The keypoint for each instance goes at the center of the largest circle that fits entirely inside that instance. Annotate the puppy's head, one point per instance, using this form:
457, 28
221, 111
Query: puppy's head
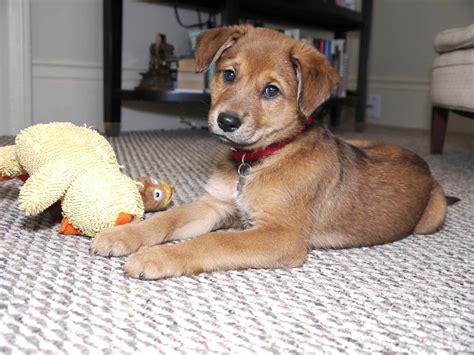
264, 86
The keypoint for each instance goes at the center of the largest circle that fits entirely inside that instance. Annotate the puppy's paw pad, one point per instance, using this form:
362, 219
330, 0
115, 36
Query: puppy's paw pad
116, 241
151, 264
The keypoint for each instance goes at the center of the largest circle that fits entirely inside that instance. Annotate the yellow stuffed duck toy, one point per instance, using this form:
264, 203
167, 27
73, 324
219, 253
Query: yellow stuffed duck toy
77, 166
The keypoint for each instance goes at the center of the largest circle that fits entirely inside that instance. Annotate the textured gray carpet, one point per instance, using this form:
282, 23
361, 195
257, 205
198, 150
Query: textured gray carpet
415, 295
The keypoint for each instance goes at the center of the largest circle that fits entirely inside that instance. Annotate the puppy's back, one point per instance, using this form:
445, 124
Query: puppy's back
382, 195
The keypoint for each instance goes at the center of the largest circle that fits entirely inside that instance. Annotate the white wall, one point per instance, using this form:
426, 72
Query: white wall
4, 122
402, 53
15, 66
67, 60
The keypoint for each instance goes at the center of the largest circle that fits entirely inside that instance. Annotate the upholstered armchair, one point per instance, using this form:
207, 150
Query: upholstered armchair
452, 84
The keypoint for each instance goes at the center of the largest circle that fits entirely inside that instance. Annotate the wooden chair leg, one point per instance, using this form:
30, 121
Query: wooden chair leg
439, 122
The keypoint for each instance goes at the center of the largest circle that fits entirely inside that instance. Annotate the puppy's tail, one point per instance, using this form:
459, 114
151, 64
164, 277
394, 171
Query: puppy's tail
451, 200
435, 212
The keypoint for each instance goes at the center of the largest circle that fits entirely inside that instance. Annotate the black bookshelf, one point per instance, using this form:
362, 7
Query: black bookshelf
323, 14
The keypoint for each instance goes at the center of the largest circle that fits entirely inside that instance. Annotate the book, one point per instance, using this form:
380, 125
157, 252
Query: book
187, 78
190, 81
190, 76
190, 84
187, 64
336, 54
188, 91
340, 63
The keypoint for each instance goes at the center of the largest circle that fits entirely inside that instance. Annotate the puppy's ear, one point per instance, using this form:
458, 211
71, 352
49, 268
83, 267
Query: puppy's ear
211, 44
316, 77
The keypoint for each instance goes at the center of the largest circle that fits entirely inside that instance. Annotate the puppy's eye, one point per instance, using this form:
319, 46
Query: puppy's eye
270, 91
229, 76
157, 194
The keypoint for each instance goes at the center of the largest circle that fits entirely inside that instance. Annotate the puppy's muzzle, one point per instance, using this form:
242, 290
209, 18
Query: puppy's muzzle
228, 122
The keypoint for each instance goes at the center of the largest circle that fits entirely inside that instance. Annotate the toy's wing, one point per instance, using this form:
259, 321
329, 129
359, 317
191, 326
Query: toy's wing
45, 187
9, 165
101, 198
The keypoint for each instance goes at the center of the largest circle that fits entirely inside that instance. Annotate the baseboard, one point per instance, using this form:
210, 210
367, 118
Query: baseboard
75, 70
399, 83
395, 83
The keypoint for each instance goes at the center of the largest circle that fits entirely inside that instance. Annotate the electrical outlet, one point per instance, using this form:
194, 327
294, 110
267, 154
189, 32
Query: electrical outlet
374, 104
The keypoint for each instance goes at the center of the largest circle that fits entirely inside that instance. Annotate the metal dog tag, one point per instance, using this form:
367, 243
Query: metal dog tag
244, 169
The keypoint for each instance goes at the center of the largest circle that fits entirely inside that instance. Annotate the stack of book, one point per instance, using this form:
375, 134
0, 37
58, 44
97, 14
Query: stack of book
335, 52
187, 79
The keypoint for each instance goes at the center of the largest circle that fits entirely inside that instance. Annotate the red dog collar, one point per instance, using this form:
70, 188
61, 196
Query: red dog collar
253, 155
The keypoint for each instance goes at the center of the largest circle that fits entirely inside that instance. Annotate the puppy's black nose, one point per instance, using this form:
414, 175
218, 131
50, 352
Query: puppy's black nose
228, 122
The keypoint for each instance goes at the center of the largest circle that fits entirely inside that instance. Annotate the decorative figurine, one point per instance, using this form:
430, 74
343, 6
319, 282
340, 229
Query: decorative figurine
158, 75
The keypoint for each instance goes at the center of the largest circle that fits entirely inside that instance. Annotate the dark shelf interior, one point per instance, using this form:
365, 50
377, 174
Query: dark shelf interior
164, 96
323, 14
203, 97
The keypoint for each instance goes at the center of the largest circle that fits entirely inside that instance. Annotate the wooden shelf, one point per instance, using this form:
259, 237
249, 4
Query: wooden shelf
165, 96
203, 97
322, 14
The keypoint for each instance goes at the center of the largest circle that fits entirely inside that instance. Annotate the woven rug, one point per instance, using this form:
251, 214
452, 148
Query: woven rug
415, 295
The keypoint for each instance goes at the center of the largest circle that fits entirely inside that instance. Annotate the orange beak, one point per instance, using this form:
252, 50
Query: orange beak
23, 177
67, 228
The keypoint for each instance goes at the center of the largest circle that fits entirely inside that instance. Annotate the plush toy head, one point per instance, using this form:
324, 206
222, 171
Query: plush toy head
156, 193
77, 166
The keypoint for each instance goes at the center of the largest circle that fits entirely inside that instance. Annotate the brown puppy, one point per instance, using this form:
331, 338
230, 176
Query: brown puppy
315, 190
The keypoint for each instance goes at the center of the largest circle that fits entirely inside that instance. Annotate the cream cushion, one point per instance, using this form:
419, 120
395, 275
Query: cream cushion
452, 84
454, 38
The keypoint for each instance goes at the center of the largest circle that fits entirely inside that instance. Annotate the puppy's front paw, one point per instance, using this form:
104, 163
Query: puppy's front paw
154, 263
117, 241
